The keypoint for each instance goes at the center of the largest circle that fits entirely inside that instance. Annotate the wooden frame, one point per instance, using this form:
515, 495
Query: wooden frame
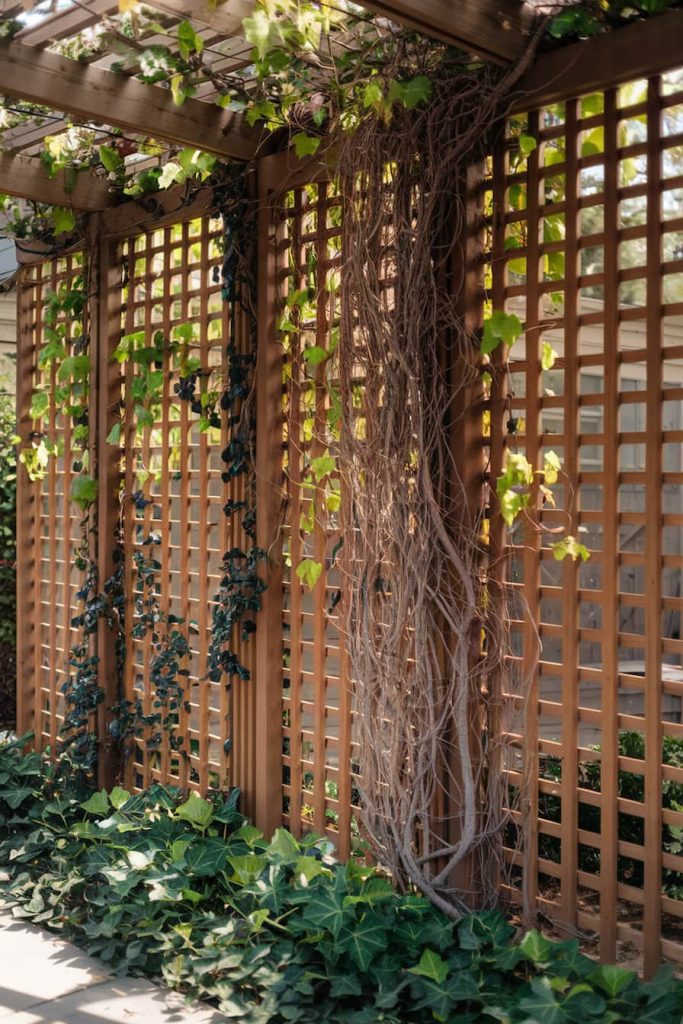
94, 94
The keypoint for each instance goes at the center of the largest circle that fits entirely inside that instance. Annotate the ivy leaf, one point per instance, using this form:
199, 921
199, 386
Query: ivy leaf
536, 947
541, 1004
206, 858
110, 159
196, 811
315, 355
527, 144
551, 467
364, 939
188, 40
611, 979
118, 797
548, 356
39, 405
431, 965
498, 328
64, 220
97, 804
569, 547
114, 435
171, 172
309, 572
84, 491
327, 912
305, 145
322, 466
284, 847
257, 31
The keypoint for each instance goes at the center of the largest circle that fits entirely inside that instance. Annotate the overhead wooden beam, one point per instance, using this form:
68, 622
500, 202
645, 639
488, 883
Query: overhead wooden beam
92, 94
225, 18
28, 179
623, 54
496, 30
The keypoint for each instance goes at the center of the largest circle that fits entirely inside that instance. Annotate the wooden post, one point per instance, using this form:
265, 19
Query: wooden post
105, 320
268, 676
26, 517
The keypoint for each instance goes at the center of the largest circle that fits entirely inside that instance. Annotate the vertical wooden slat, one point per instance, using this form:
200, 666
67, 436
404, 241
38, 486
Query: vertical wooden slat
652, 916
570, 576
268, 680
610, 653
319, 530
203, 519
532, 538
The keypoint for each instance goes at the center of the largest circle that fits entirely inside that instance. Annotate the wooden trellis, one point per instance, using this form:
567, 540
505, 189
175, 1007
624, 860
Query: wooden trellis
584, 226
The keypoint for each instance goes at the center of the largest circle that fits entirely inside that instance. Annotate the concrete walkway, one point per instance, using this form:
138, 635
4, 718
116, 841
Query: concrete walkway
44, 980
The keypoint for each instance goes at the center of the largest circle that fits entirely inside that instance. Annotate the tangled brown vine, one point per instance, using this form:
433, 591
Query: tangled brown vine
422, 633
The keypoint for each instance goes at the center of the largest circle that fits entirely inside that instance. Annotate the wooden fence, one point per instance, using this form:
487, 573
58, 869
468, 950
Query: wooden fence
580, 210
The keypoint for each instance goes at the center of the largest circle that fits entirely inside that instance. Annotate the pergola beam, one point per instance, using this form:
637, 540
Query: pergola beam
496, 30
28, 179
93, 94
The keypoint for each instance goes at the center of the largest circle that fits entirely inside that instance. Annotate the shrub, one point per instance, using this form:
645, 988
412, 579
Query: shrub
631, 827
276, 931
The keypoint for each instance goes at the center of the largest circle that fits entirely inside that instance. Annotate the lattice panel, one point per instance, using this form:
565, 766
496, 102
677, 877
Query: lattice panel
319, 755
587, 250
173, 279
49, 580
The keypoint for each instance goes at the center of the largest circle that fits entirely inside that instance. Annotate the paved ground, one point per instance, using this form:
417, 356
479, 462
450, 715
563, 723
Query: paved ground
46, 981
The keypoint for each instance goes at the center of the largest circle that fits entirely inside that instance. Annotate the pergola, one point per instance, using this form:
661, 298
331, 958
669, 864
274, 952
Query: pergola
88, 92
611, 355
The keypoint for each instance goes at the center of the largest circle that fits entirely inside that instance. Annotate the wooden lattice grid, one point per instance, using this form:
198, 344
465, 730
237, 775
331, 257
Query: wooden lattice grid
319, 757
173, 279
586, 249
48, 521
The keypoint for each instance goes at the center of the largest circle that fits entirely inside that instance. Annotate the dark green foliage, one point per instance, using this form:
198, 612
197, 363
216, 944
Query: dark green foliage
631, 827
277, 931
582, 20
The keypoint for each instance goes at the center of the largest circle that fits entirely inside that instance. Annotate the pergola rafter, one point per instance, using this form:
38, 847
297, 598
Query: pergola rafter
28, 179
496, 30
93, 94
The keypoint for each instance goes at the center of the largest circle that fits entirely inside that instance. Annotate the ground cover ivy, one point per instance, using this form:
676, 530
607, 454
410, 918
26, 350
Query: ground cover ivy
158, 883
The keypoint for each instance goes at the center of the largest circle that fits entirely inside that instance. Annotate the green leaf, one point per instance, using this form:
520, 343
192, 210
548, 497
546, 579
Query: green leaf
548, 356
322, 466
248, 868
527, 144
97, 804
118, 797
188, 40
114, 435
315, 355
306, 145
83, 491
257, 31
611, 979
570, 547
536, 947
541, 1005
552, 467
206, 858
364, 939
39, 404
284, 847
309, 572
64, 220
500, 328
196, 811
431, 965
110, 159
327, 912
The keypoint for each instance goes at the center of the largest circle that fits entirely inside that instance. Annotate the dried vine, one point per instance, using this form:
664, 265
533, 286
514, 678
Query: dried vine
421, 634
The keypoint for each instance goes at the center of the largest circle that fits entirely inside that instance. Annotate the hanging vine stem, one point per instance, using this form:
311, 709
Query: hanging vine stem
415, 608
